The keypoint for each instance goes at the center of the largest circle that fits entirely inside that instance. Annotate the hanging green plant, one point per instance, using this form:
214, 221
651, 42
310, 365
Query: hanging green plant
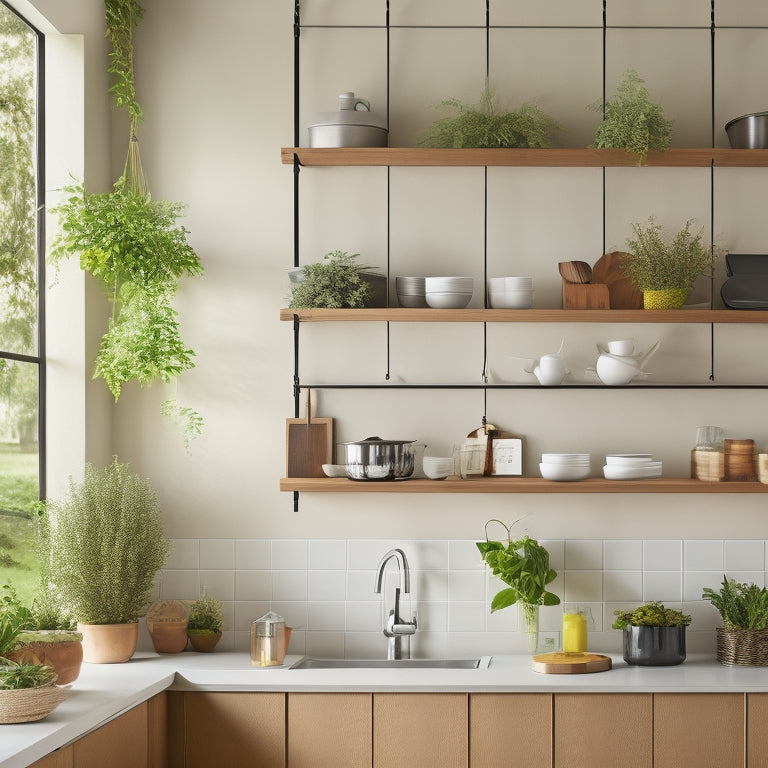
631, 121
135, 247
481, 126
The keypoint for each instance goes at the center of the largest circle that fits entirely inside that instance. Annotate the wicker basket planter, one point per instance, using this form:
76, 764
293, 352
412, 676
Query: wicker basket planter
26, 705
747, 647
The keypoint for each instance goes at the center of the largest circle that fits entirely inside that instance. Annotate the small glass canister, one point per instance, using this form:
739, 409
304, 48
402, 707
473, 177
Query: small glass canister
575, 625
268, 640
707, 457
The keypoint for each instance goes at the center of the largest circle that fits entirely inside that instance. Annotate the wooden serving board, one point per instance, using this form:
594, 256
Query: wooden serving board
570, 663
308, 445
609, 269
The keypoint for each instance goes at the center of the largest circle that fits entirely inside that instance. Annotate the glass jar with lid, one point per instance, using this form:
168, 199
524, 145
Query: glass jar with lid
268, 640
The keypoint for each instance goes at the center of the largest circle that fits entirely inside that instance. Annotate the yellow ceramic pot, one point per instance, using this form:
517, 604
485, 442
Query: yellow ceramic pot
668, 298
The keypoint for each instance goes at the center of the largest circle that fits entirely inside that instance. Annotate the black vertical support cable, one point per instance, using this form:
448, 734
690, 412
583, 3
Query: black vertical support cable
389, 170
712, 193
42, 443
605, 76
485, 220
296, 171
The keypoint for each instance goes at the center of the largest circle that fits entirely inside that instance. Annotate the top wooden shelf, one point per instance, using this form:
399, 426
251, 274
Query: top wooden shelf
562, 158
399, 314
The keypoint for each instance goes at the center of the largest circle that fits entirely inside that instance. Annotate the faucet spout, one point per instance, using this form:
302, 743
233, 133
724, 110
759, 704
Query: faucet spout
397, 631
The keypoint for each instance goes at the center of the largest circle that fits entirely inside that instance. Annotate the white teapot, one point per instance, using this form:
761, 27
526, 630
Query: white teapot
549, 369
616, 370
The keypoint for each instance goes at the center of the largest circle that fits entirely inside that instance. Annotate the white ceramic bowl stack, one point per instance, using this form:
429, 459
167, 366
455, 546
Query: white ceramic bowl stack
437, 467
631, 466
510, 292
448, 292
564, 466
410, 291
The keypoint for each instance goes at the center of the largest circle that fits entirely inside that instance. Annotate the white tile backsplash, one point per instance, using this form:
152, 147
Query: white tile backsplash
325, 589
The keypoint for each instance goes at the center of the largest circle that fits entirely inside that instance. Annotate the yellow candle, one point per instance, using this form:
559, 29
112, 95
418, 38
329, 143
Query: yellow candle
574, 633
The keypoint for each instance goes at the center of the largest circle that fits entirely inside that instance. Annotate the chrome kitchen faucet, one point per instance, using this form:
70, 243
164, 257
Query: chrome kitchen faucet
397, 631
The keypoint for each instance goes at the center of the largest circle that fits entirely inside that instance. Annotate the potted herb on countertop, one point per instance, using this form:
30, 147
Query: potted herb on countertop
665, 272
743, 607
206, 619
106, 547
631, 121
481, 126
653, 635
523, 565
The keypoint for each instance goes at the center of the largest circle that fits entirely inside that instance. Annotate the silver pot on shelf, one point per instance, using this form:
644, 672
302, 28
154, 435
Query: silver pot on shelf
354, 125
377, 459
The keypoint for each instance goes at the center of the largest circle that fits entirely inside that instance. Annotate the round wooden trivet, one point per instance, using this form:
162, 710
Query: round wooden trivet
570, 663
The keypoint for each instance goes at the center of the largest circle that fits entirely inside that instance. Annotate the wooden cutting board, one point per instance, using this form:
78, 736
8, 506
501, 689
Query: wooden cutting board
308, 445
585, 296
570, 663
609, 269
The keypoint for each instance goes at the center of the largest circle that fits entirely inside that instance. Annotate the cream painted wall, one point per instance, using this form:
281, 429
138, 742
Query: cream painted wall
215, 80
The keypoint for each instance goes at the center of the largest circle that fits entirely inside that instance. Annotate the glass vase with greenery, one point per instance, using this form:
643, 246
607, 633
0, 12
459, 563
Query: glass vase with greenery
631, 121
107, 545
523, 565
482, 126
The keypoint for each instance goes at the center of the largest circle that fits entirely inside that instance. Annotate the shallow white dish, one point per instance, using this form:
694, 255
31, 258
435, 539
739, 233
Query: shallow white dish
629, 461
448, 300
563, 471
565, 458
335, 470
511, 299
613, 472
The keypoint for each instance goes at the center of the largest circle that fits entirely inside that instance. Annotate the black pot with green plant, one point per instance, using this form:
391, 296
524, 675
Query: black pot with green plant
653, 635
135, 247
482, 126
523, 565
665, 270
631, 121
743, 607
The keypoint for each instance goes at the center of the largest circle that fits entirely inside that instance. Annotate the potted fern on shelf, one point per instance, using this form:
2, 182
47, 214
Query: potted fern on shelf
743, 607
523, 565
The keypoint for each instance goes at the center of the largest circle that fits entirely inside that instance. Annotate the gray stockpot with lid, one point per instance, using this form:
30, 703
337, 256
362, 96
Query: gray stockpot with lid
377, 459
354, 125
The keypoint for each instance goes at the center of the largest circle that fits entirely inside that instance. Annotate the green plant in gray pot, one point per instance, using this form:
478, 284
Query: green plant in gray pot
653, 635
523, 565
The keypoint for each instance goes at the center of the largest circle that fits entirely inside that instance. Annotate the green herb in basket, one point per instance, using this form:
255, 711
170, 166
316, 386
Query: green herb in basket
741, 605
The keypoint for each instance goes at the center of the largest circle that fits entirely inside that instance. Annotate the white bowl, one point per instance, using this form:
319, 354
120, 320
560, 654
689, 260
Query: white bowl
614, 371
565, 458
613, 472
509, 283
622, 347
563, 471
511, 300
448, 299
437, 467
628, 461
411, 300
335, 470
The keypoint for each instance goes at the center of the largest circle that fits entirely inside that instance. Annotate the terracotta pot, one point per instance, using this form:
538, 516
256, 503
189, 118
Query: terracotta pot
169, 636
65, 656
109, 643
204, 642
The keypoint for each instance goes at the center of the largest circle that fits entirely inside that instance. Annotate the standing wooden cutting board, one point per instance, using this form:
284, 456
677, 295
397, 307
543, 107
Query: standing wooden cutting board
609, 269
308, 445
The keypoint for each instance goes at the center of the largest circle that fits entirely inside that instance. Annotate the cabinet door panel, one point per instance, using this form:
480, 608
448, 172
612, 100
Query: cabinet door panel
61, 758
757, 729
120, 743
236, 730
422, 729
603, 730
514, 724
329, 730
701, 729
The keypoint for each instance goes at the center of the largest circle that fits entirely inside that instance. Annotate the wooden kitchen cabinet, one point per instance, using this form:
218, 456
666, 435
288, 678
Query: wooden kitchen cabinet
705, 730
120, 743
605, 730
61, 758
330, 730
757, 730
420, 729
518, 725
236, 730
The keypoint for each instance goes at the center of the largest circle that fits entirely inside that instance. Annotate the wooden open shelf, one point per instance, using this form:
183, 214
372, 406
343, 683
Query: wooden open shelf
553, 158
516, 485
399, 314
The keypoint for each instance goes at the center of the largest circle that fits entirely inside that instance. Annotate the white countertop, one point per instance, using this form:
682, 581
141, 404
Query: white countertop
103, 691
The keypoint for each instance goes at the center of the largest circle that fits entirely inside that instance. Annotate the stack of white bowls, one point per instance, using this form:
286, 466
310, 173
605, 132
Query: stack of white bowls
410, 291
510, 292
564, 466
437, 467
448, 292
631, 466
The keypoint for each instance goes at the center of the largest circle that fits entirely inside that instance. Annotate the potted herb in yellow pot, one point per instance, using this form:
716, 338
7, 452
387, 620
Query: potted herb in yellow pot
666, 271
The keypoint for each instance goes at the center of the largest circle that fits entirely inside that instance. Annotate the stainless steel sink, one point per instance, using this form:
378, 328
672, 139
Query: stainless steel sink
309, 663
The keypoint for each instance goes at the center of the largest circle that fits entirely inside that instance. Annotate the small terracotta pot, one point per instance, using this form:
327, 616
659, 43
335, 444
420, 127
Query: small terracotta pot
65, 656
169, 636
204, 642
109, 643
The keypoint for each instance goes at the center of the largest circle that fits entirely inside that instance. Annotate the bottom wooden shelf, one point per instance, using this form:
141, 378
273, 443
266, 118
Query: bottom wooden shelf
516, 485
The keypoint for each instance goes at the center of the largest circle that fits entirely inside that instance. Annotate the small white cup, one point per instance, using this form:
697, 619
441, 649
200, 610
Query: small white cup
621, 347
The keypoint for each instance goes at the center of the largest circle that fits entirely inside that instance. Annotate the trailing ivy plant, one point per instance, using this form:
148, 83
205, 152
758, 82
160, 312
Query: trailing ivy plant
631, 121
135, 247
483, 127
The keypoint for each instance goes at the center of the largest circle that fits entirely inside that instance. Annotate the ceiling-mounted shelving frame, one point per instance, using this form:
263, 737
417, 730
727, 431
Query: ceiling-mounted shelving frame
388, 157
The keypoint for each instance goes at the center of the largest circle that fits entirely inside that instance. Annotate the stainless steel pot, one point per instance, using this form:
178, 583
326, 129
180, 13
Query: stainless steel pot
748, 131
352, 126
377, 459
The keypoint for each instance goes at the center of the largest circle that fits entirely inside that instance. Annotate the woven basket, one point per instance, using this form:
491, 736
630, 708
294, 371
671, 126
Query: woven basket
748, 647
25, 705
